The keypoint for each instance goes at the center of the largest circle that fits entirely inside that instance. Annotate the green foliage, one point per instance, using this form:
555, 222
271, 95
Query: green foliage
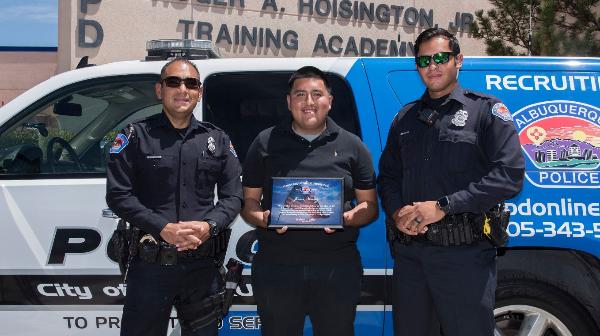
560, 27
110, 136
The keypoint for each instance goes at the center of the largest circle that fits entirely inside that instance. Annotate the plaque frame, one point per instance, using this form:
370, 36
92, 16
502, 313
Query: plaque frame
307, 202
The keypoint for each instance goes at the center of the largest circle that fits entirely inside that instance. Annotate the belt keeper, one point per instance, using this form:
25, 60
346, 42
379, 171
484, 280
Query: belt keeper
469, 234
445, 234
457, 233
463, 234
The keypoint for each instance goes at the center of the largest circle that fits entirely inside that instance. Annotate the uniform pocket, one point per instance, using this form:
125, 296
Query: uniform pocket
208, 171
458, 149
408, 146
487, 255
410, 150
160, 169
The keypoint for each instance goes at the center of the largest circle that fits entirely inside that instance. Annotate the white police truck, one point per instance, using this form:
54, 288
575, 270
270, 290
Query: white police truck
56, 277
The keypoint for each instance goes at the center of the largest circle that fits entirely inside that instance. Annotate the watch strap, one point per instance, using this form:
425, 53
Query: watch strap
213, 227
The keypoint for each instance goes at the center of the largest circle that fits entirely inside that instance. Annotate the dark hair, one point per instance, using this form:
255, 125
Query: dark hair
309, 72
175, 60
430, 33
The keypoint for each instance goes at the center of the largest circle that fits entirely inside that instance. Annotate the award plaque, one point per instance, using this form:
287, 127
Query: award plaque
307, 202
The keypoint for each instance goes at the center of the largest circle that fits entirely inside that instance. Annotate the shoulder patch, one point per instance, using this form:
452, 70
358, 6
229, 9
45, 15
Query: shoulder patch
119, 144
232, 150
501, 111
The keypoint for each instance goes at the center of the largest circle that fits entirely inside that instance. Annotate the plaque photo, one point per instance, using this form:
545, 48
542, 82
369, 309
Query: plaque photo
307, 202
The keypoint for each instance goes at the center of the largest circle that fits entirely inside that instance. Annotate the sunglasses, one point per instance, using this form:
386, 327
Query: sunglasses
174, 82
439, 58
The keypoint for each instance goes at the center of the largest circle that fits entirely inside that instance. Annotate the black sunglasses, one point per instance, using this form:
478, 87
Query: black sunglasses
174, 82
439, 58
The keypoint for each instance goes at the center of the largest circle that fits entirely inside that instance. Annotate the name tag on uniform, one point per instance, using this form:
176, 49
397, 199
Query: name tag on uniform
154, 157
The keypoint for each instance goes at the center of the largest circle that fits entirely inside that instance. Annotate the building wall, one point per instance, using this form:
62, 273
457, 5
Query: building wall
23, 68
111, 30
114, 30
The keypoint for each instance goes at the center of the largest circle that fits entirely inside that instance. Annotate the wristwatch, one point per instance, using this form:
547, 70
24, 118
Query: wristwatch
444, 204
213, 228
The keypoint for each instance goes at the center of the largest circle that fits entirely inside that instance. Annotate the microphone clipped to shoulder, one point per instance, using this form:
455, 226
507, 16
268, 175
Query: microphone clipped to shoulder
428, 116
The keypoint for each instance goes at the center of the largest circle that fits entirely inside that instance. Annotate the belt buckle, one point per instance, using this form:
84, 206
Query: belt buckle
168, 255
190, 254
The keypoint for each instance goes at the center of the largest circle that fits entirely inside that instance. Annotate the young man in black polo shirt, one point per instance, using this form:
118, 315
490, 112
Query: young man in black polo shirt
308, 272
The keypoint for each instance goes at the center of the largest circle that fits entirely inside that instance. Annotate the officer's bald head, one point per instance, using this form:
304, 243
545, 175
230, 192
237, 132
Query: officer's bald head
177, 60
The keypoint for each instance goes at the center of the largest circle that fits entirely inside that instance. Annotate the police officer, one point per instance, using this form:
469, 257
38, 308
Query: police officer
162, 173
308, 272
450, 156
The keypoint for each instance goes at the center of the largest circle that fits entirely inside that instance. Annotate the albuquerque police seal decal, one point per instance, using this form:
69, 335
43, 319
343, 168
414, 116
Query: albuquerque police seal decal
119, 144
561, 140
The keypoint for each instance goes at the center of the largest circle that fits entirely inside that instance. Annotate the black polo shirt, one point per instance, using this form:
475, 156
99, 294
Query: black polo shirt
159, 175
279, 152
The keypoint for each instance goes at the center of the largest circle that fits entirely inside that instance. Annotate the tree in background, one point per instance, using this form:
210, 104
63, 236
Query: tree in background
559, 27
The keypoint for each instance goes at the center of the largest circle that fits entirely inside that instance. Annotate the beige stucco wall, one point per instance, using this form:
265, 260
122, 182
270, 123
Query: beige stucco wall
22, 70
67, 21
127, 25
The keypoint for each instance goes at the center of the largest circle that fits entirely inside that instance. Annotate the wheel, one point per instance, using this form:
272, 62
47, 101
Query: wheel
243, 248
529, 307
54, 156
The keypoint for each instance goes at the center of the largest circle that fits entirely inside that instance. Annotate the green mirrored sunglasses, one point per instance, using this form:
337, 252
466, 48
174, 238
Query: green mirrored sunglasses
439, 58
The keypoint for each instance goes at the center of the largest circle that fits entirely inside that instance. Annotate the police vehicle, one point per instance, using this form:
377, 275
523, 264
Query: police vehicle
56, 277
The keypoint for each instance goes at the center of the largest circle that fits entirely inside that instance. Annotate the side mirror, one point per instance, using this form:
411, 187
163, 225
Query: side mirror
68, 109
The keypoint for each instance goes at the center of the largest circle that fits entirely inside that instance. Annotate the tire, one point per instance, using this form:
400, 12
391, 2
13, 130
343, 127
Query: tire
530, 307
243, 247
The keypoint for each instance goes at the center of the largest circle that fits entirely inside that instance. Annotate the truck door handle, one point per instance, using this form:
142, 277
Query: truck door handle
108, 213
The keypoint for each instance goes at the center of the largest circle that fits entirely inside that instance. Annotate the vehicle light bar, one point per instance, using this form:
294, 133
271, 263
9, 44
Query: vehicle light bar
160, 50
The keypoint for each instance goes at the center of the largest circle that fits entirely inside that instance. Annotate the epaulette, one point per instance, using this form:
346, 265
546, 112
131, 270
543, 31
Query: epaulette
149, 118
149, 121
405, 109
475, 94
209, 125
410, 104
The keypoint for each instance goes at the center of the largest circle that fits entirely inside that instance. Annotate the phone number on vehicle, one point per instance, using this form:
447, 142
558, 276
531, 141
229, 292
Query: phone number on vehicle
551, 229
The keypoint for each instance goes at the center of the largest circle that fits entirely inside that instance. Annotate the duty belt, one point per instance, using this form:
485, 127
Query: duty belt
454, 230
159, 252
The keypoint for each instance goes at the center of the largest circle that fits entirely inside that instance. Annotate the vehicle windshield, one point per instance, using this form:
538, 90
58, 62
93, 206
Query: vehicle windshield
72, 132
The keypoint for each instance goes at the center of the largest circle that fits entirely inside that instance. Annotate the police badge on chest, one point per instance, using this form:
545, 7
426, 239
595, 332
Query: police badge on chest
210, 146
460, 118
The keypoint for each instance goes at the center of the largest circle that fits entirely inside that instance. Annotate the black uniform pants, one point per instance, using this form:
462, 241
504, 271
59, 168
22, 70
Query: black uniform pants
327, 293
449, 286
153, 290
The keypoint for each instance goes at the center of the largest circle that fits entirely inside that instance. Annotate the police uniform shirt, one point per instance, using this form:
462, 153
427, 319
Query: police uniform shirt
471, 154
279, 152
157, 175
